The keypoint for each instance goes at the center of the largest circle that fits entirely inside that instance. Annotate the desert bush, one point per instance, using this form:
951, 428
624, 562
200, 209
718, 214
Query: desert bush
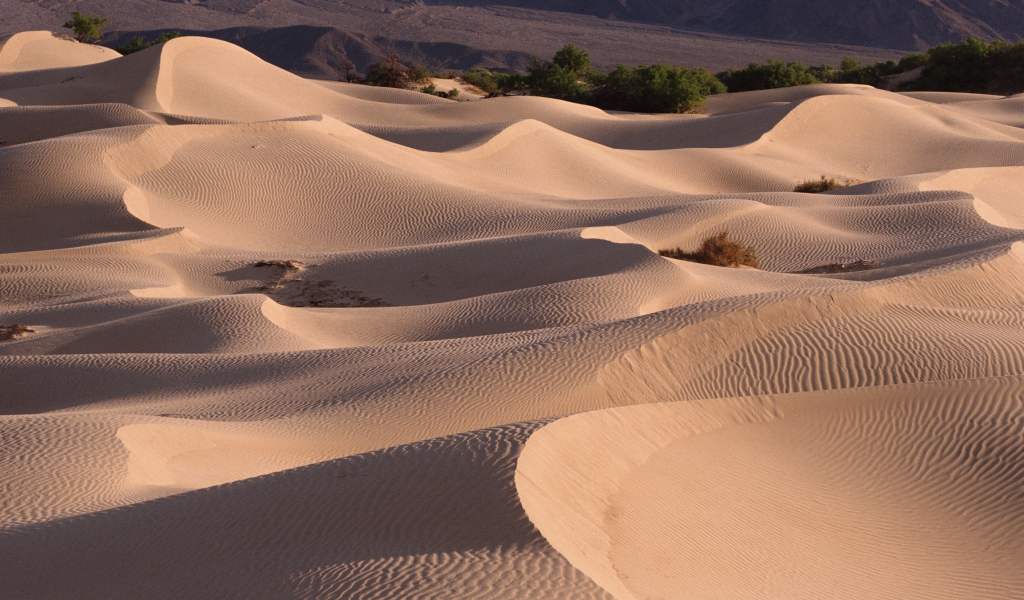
138, 42
452, 94
973, 66
718, 250
658, 88
429, 89
567, 76
773, 74
417, 73
483, 79
13, 332
388, 73
349, 68
816, 186
86, 27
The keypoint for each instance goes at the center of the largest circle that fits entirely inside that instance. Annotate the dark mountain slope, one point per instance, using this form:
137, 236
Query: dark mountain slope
909, 24
320, 52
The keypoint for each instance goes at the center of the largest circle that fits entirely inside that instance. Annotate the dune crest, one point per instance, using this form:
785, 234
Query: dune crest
267, 337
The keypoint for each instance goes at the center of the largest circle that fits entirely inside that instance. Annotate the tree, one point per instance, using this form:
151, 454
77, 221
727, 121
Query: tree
388, 73
573, 59
350, 71
86, 27
849, 63
566, 77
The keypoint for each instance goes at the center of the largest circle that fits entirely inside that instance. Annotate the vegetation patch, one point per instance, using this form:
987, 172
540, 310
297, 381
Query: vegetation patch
288, 286
817, 186
13, 332
718, 250
86, 27
138, 42
850, 267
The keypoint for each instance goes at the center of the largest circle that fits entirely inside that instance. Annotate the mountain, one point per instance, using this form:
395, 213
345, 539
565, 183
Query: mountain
316, 36
321, 52
903, 24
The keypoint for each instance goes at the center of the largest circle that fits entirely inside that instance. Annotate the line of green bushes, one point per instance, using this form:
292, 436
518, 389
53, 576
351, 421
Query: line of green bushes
970, 66
569, 76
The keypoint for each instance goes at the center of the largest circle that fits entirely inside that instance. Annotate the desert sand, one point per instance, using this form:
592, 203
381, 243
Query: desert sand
291, 339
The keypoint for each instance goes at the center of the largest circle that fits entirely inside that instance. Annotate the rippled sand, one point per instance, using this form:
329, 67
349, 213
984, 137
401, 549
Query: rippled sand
297, 339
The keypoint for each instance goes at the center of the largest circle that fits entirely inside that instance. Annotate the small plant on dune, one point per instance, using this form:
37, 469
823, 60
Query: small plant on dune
429, 89
86, 27
138, 42
718, 250
452, 94
816, 186
13, 332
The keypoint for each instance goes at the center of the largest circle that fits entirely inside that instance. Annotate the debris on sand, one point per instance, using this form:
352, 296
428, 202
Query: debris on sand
851, 267
13, 332
289, 288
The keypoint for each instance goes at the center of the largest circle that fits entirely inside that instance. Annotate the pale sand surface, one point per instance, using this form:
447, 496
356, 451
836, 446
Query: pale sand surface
477, 378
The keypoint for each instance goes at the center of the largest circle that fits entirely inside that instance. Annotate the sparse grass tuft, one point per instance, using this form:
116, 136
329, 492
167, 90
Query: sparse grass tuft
816, 186
850, 267
13, 332
287, 265
720, 251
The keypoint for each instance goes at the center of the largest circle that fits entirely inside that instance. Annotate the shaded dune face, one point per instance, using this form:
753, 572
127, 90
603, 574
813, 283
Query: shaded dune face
284, 341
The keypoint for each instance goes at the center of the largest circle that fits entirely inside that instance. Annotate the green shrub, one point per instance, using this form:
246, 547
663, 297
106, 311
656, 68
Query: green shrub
429, 89
720, 251
86, 27
139, 43
774, 74
417, 73
658, 88
566, 76
452, 94
494, 82
973, 66
483, 79
388, 73
816, 186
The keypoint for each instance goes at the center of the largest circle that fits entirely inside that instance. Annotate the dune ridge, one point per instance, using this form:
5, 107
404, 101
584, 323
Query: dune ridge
315, 341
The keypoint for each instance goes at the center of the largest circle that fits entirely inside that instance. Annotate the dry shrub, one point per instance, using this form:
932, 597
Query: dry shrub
850, 267
13, 332
816, 186
720, 251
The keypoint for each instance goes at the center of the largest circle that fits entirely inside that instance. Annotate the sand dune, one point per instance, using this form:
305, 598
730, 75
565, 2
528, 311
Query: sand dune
296, 340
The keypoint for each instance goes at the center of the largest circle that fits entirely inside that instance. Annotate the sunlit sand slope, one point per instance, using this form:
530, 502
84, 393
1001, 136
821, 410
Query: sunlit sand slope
875, 492
266, 338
